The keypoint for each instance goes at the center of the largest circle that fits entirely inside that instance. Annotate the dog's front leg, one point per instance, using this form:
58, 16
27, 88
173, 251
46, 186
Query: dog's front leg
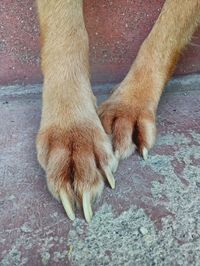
72, 146
131, 109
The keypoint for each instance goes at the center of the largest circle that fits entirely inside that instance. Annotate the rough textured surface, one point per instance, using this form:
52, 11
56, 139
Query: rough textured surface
116, 30
151, 218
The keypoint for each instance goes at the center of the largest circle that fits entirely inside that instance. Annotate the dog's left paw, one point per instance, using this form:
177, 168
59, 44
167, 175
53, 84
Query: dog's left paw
131, 122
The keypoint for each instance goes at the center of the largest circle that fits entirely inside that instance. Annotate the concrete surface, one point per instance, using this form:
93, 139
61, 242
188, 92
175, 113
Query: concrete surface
116, 30
151, 218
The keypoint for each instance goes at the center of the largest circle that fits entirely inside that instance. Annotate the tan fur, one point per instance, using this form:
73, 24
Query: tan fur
137, 97
72, 146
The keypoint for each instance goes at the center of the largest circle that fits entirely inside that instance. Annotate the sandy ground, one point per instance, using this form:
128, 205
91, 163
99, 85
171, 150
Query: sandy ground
151, 218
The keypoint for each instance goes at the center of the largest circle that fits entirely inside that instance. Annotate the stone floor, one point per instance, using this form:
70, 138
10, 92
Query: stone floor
151, 218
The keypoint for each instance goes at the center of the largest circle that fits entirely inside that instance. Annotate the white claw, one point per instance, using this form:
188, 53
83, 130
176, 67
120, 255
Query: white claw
114, 164
67, 204
145, 153
87, 209
110, 178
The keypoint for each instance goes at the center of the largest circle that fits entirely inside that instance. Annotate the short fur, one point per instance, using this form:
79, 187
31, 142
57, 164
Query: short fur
72, 145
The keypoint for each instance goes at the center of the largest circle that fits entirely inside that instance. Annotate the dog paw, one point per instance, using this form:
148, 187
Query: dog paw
76, 160
131, 122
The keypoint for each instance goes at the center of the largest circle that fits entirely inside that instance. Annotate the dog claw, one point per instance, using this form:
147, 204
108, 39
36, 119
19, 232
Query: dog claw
145, 153
67, 204
87, 209
110, 178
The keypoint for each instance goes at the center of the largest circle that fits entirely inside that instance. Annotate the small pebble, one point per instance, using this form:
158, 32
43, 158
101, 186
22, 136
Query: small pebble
26, 228
143, 230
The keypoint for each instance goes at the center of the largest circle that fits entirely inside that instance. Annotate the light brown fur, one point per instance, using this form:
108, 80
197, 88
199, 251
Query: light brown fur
72, 145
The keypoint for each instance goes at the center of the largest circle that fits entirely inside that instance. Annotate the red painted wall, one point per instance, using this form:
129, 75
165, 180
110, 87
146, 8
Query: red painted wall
116, 30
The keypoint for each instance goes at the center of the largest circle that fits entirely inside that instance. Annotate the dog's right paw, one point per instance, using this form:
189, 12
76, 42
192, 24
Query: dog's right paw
76, 161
